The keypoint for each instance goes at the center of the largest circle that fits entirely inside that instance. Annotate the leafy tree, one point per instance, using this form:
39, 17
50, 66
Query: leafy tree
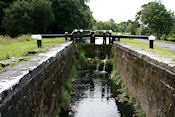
122, 26
156, 18
132, 27
42, 15
3, 4
71, 14
27, 17
109, 25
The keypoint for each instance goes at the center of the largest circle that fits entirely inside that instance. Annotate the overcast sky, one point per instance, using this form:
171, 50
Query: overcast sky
121, 10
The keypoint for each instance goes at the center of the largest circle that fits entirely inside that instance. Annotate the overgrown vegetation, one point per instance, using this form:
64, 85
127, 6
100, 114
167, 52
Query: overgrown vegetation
87, 60
122, 93
65, 97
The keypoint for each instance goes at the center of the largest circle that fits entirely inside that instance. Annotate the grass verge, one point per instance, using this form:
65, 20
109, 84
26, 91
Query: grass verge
145, 46
20, 46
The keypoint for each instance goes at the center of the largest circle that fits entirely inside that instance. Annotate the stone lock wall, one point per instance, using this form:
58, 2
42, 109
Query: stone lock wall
151, 82
37, 92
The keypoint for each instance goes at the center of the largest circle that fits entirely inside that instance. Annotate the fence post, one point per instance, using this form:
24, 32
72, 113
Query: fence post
118, 37
75, 35
81, 37
151, 41
113, 39
92, 40
110, 32
66, 35
39, 40
104, 37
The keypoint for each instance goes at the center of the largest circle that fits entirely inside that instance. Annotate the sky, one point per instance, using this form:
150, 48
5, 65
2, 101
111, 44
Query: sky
121, 10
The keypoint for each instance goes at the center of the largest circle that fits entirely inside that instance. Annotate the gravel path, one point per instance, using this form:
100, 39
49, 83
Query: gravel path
169, 46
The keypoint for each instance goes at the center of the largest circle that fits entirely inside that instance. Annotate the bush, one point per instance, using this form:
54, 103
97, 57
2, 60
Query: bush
24, 17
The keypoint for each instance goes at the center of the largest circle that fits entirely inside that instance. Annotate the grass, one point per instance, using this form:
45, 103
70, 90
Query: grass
145, 46
57, 112
20, 46
2, 69
65, 98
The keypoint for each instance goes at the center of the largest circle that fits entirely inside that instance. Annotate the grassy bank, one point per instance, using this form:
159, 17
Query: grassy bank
145, 46
20, 46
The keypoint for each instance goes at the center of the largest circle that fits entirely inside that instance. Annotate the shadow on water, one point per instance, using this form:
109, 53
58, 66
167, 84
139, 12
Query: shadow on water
92, 97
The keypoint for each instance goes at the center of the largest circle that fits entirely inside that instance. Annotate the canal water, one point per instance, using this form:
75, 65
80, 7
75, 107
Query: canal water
92, 97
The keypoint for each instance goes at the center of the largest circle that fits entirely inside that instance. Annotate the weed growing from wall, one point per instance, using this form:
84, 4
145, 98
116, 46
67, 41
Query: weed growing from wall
122, 94
65, 97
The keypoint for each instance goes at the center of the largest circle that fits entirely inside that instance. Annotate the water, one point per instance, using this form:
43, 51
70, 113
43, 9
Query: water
97, 68
92, 96
97, 52
104, 66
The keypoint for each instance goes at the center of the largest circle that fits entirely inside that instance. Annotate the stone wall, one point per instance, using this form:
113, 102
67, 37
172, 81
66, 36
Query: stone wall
150, 79
37, 85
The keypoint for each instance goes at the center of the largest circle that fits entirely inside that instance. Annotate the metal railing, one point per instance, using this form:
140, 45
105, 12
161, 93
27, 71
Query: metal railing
78, 35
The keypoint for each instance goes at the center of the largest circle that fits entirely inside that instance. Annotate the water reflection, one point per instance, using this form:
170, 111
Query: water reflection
92, 96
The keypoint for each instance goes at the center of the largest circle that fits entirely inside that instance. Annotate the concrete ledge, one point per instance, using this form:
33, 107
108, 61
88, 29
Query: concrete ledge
164, 63
20, 84
150, 79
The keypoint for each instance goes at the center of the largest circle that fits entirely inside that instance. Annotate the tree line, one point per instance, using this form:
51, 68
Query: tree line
43, 16
59, 16
152, 19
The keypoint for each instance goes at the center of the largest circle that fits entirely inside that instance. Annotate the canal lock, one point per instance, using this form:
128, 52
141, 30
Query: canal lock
96, 89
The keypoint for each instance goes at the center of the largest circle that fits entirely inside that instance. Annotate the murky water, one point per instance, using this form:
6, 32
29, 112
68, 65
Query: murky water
92, 96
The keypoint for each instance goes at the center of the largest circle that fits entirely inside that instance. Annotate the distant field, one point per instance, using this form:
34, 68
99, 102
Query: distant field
20, 46
145, 46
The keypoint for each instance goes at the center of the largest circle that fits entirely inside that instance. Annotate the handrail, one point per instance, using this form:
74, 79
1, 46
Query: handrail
106, 33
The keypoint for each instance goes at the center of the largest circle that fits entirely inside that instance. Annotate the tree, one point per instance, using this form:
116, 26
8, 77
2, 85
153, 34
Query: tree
24, 17
3, 4
122, 26
108, 25
42, 15
158, 20
132, 27
71, 14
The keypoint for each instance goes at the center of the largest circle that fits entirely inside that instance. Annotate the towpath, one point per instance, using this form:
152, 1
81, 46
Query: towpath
169, 46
